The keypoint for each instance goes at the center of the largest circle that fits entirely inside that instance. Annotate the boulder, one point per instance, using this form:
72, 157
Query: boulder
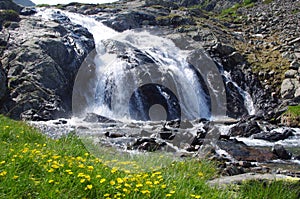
274, 136
241, 152
42, 66
288, 88
3, 84
245, 129
281, 152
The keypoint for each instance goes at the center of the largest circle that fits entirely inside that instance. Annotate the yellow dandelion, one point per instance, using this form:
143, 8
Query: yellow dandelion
156, 182
168, 195
82, 180
90, 168
127, 185
138, 185
15, 177
80, 175
120, 181
172, 192
2, 162
88, 177
3, 173
50, 170
200, 174
114, 170
163, 186
145, 192
102, 180
98, 176
50, 181
81, 166
106, 195
86, 154
55, 166
197, 196
89, 186
149, 183
112, 182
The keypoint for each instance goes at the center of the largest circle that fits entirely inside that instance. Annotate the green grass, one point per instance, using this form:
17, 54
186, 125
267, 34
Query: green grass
294, 110
34, 166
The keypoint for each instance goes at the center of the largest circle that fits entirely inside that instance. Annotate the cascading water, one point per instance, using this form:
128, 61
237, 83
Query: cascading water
137, 70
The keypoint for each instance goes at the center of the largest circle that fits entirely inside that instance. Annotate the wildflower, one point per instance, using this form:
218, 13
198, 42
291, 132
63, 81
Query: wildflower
156, 182
163, 186
106, 195
15, 177
102, 180
81, 166
3, 173
168, 195
2, 162
55, 157
172, 192
82, 180
98, 176
149, 183
88, 177
50, 181
86, 154
112, 182
114, 170
90, 168
127, 185
200, 174
145, 192
138, 185
89, 186
50, 170
55, 166
120, 181
25, 150
197, 196
80, 175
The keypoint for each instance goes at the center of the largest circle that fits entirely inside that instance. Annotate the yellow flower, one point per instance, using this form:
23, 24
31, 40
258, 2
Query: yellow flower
15, 177
50, 170
197, 196
25, 150
172, 192
168, 195
145, 192
139, 185
2, 162
156, 182
106, 195
120, 181
81, 166
89, 186
86, 154
82, 180
98, 176
114, 170
80, 175
3, 173
102, 180
200, 174
90, 168
112, 182
88, 177
163, 186
149, 183
55, 166
50, 181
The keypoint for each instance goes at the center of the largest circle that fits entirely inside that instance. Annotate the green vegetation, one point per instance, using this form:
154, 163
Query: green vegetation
43, 5
34, 166
268, 1
232, 12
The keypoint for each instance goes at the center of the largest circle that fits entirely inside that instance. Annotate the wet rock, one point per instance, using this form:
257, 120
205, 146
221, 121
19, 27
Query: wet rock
274, 136
242, 152
148, 144
281, 152
245, 129
94, 118
114, 135
28, 11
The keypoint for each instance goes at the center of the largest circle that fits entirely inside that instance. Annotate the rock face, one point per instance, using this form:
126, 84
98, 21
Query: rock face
41, 60
2, 83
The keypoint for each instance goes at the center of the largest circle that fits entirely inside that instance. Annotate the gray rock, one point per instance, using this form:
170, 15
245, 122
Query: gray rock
42, 60
2, 82
294, 65
288, 88
24, 2
280, 151
290, 73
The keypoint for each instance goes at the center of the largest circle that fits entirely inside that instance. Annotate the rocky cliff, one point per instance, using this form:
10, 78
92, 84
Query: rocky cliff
256, 41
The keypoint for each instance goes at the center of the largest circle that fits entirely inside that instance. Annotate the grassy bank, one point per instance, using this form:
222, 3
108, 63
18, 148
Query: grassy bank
34, 166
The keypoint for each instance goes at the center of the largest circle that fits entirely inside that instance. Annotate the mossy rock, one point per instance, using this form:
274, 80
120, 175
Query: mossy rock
8, 16
291, 117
